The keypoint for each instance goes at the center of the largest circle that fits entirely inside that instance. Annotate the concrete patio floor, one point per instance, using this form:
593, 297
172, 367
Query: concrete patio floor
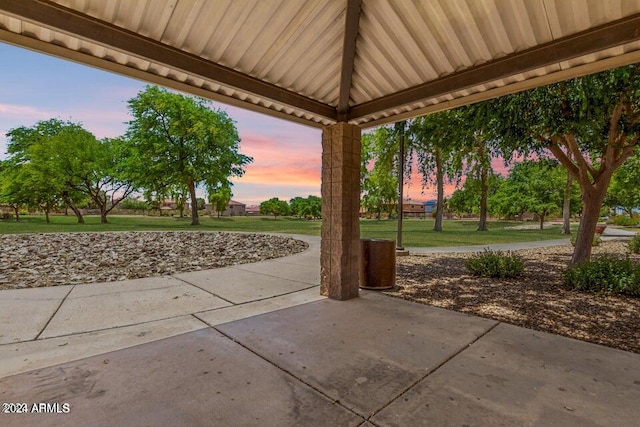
255, 344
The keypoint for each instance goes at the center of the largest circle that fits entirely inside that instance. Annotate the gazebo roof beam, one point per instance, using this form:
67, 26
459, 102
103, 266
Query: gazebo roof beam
352, 22
70, 21
595, 39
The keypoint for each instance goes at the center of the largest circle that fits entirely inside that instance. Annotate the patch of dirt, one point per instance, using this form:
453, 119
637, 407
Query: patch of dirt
537, 300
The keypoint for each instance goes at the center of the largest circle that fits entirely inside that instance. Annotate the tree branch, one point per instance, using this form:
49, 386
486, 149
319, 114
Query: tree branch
625, 153
555, 149
583, 164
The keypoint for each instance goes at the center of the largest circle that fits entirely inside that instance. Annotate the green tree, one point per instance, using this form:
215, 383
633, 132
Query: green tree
532, 186
624, 190
219, 199
181, 141
434, 139
90, 166
11, 193
481, 142
309, 208
134, 204
590, 124
179, 194
466, 200
378, 172
274, 207
31, 177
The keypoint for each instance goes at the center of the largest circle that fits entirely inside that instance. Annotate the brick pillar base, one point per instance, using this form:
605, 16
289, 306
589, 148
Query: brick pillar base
340, 244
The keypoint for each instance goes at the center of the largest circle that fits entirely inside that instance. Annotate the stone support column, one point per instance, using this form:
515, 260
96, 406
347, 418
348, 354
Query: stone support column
340, 244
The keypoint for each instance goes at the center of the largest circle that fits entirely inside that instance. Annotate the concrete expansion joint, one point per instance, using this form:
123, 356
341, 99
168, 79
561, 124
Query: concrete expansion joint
272, 275
201, 320
239, 304
126, 291
205, 290
54, 313
112, 328
434, 370
291, 374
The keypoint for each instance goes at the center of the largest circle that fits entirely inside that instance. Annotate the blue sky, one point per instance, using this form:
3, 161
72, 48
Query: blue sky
287, 156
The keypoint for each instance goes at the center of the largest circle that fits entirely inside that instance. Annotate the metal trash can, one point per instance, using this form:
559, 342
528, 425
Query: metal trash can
377, 264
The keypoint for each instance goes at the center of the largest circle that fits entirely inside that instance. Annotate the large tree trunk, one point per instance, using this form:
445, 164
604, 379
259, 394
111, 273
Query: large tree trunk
593, 181
16, 211
440, 184
542, 215
195, 220
566, 206
46, 214
103, 215
591, 204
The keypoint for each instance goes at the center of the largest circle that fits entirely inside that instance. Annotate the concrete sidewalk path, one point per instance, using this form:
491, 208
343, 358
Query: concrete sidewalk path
44, 326
371, 361
255, 345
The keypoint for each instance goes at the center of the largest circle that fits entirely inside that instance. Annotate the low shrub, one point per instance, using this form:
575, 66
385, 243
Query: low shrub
625, 221
605, 275
595, 242
495, 264
634, 244
5, 215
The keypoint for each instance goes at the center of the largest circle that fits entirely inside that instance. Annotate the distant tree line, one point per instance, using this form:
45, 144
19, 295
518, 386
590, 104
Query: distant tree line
307, 208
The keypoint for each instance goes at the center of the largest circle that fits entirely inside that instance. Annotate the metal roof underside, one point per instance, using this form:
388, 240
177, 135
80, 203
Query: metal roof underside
321, 61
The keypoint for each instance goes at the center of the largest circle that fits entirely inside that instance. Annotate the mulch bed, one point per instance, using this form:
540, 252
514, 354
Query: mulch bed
537, 300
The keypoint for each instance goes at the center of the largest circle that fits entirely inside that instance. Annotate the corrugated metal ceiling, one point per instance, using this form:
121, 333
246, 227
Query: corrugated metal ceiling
285, 57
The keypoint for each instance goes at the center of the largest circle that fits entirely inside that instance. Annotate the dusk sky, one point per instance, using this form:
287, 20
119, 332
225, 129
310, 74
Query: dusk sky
287, 156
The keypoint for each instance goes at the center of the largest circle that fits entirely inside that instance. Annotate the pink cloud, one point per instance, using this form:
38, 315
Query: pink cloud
281, 161
291, 176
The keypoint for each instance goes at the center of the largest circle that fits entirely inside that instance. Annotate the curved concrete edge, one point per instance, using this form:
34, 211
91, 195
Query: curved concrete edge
70, 323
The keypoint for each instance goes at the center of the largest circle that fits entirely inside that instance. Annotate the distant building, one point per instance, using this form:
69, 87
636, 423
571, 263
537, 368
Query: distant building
410, 209
413, 209
233, 209
252, 210
430, 206
173, 205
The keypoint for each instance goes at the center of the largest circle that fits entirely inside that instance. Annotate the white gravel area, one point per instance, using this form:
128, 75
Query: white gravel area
50, 259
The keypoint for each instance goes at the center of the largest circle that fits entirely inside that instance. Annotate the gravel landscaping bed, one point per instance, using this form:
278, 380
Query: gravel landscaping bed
536, 300
34, 260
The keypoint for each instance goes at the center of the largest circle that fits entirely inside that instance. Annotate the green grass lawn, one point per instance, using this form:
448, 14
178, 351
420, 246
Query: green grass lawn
417, 232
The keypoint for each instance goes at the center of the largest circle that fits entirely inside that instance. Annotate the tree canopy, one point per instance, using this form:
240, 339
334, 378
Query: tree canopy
535, 186
624, 190
55, 161
379, 170
219, 198
180, 142
590, 124
275, 207
308, 208
466, 200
